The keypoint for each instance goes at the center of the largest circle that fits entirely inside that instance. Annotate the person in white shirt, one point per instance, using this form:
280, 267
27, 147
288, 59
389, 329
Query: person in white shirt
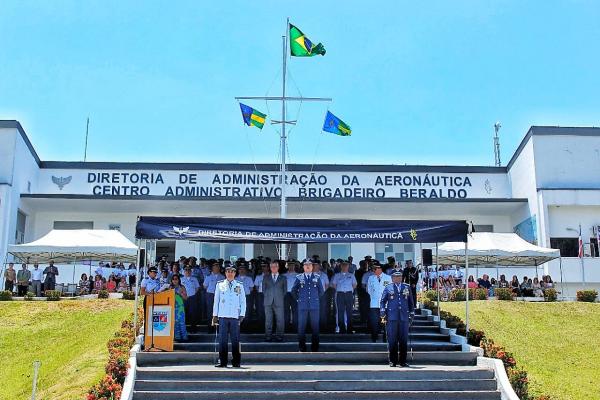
228, 313
210, 283
375, 285
36, 280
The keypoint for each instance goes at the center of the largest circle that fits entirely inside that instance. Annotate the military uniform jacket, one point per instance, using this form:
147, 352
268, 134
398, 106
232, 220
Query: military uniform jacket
375, 288
307, 290
230, 299
396, 303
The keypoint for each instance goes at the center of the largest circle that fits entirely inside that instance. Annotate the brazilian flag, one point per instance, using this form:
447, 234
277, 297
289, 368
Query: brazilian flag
301, 46
252, 116
335, 125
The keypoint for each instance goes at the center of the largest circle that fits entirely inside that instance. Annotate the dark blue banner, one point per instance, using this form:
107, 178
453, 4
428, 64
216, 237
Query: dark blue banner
255, 230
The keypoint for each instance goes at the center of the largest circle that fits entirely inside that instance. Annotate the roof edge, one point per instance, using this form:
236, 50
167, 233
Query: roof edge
14, 124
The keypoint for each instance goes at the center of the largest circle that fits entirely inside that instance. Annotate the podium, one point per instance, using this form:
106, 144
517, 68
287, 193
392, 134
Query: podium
160, 321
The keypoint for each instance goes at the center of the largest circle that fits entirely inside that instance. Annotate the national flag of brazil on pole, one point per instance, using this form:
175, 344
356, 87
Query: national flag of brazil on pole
335, 125
252, 116
301, 46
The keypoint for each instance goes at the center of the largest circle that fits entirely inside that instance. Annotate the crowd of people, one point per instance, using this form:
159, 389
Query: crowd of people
448, 278
25, 280
114, 278
346, 287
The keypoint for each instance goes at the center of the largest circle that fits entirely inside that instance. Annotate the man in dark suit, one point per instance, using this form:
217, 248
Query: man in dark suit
274, 288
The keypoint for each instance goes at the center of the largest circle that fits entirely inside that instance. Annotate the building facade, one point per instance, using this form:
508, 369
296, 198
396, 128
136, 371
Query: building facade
550, 188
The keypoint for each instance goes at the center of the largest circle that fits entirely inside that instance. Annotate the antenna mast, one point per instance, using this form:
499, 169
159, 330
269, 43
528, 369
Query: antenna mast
497, 127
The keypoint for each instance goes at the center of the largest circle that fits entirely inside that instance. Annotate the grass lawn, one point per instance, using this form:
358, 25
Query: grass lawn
557, 343
68, 337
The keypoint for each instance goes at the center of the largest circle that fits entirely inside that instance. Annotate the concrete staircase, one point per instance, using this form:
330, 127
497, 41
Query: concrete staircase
346, 367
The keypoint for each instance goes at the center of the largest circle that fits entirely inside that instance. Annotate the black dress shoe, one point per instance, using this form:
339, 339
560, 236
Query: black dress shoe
404, 365
220, 366
269, 339
393, 365
236, 365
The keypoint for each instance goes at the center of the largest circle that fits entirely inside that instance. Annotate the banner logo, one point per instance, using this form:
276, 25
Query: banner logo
413, 234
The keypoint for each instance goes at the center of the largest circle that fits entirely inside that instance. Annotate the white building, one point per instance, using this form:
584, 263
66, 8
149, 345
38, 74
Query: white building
550, 186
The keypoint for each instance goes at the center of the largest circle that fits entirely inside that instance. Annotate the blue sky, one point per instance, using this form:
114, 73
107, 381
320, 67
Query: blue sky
419, 82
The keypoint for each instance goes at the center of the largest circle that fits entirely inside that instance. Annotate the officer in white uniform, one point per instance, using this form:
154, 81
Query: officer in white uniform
375, 286
228, 311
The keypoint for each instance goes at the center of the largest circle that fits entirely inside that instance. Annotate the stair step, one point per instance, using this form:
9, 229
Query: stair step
319, 385
324, 337
325, 395
283, 347
350, 357
332, 372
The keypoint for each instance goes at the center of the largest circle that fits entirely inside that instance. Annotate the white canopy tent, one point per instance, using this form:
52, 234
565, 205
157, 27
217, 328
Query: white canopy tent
492, 249
66, 246
502, 249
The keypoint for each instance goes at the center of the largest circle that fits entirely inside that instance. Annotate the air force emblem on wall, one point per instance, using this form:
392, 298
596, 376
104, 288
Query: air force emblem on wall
488, 186
61, 181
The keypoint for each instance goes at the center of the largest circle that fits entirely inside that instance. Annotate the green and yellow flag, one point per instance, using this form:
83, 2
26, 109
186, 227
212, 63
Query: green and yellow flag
301, 46
252, 116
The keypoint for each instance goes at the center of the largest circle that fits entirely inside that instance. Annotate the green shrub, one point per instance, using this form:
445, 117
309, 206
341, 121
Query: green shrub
128, 295
457, 295
52, 295
588, 296
103, 294
503, 294
29, 296
550, 295
431, 295
478, 294
5, 295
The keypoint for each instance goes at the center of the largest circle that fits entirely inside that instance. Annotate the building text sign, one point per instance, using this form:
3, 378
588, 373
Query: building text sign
267, 184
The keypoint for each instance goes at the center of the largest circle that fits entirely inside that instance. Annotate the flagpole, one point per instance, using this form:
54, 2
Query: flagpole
283, 204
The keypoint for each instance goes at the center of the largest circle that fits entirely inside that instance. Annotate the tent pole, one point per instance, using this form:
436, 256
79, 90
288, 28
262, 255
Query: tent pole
437, 279
137, 282
467, 286
562, 287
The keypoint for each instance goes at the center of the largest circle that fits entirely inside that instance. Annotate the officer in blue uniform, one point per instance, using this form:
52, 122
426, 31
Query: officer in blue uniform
228, 313
396, 311
306, 291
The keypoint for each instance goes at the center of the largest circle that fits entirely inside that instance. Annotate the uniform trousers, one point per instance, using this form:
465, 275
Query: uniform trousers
290, 312
374, 323
397, 336
345, 301
229, 329
210, 301
303, 317
192, 310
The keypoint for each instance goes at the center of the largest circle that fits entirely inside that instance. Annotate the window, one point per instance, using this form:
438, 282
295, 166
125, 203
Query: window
569, 247
401, 252
339, 250
210, 250
233, 250
20, 231
483, 228
594, 247
70, 225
